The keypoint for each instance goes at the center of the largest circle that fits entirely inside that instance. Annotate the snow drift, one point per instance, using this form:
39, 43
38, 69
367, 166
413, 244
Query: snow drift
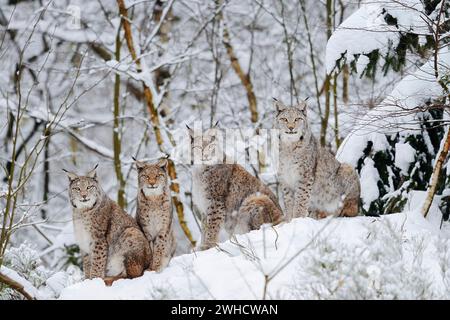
393, 256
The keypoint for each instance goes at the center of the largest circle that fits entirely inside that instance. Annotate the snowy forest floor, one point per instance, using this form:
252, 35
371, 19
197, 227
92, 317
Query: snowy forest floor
397, 256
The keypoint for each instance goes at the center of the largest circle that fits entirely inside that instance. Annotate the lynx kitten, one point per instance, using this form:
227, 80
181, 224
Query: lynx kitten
109, 239
314, 183
227, 196
154, 211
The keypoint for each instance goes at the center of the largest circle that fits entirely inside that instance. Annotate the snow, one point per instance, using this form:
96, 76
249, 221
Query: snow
366, 30
416, 88
346, 254
58, 281
404, 156
369, 180
72, 35
237, 270
346, 38
393, 115
409, 93
28, 287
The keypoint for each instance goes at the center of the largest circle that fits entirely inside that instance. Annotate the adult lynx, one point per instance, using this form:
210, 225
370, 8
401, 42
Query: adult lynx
314, 183
110, 241
154, 211
228, 197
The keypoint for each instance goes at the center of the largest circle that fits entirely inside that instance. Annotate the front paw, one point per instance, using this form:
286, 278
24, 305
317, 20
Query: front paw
109, 280
302, 213
94, 275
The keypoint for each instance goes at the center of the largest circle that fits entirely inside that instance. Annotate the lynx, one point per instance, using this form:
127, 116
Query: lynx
314, 183
110, 241
154, 211
228, 197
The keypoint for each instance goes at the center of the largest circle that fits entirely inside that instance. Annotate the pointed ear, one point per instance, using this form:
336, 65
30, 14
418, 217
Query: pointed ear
278, 105
303, 107
163, 164
70, 175
93, 173
139, 164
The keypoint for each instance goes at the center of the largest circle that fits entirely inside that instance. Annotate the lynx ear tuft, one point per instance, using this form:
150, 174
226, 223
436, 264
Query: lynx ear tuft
278, 105
72, 176
163, 163
139, 164
303, 107
93, 173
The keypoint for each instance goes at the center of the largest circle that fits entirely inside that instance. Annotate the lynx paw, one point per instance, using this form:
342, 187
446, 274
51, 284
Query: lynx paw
109, 280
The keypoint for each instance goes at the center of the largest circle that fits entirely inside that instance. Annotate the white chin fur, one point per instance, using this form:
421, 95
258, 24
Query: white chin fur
152, 191
84, 205
290, 137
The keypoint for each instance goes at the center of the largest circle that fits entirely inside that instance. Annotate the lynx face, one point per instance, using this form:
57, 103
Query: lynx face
152, 178
291, 121
207, 147
84, 191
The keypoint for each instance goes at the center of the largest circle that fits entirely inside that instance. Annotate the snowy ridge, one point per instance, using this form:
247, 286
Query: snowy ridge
237, 271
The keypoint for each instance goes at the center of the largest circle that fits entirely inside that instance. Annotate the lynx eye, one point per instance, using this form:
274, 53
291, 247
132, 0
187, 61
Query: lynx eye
76, 189
284, 119
90, 187
160, 175
297, 119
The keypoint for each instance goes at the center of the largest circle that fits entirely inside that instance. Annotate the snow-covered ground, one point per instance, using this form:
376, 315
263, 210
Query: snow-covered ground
394, 256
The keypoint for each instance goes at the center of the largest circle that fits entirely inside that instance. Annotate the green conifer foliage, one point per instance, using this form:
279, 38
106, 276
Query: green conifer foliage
394, 185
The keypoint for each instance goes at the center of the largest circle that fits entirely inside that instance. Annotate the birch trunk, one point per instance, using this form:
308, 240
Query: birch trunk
117, 143
244, 77
155, 122
436, 173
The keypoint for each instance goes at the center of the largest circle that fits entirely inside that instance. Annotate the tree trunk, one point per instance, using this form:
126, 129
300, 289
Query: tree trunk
345, 76
327, 85
336, 118
46, 169
245, 78
155, 121
436, 173
312, 56
117, 143
326, 115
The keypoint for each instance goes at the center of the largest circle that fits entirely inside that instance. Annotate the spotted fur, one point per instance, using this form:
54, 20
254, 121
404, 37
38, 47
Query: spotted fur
313, 182
154, 211
228, 197
110, 240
